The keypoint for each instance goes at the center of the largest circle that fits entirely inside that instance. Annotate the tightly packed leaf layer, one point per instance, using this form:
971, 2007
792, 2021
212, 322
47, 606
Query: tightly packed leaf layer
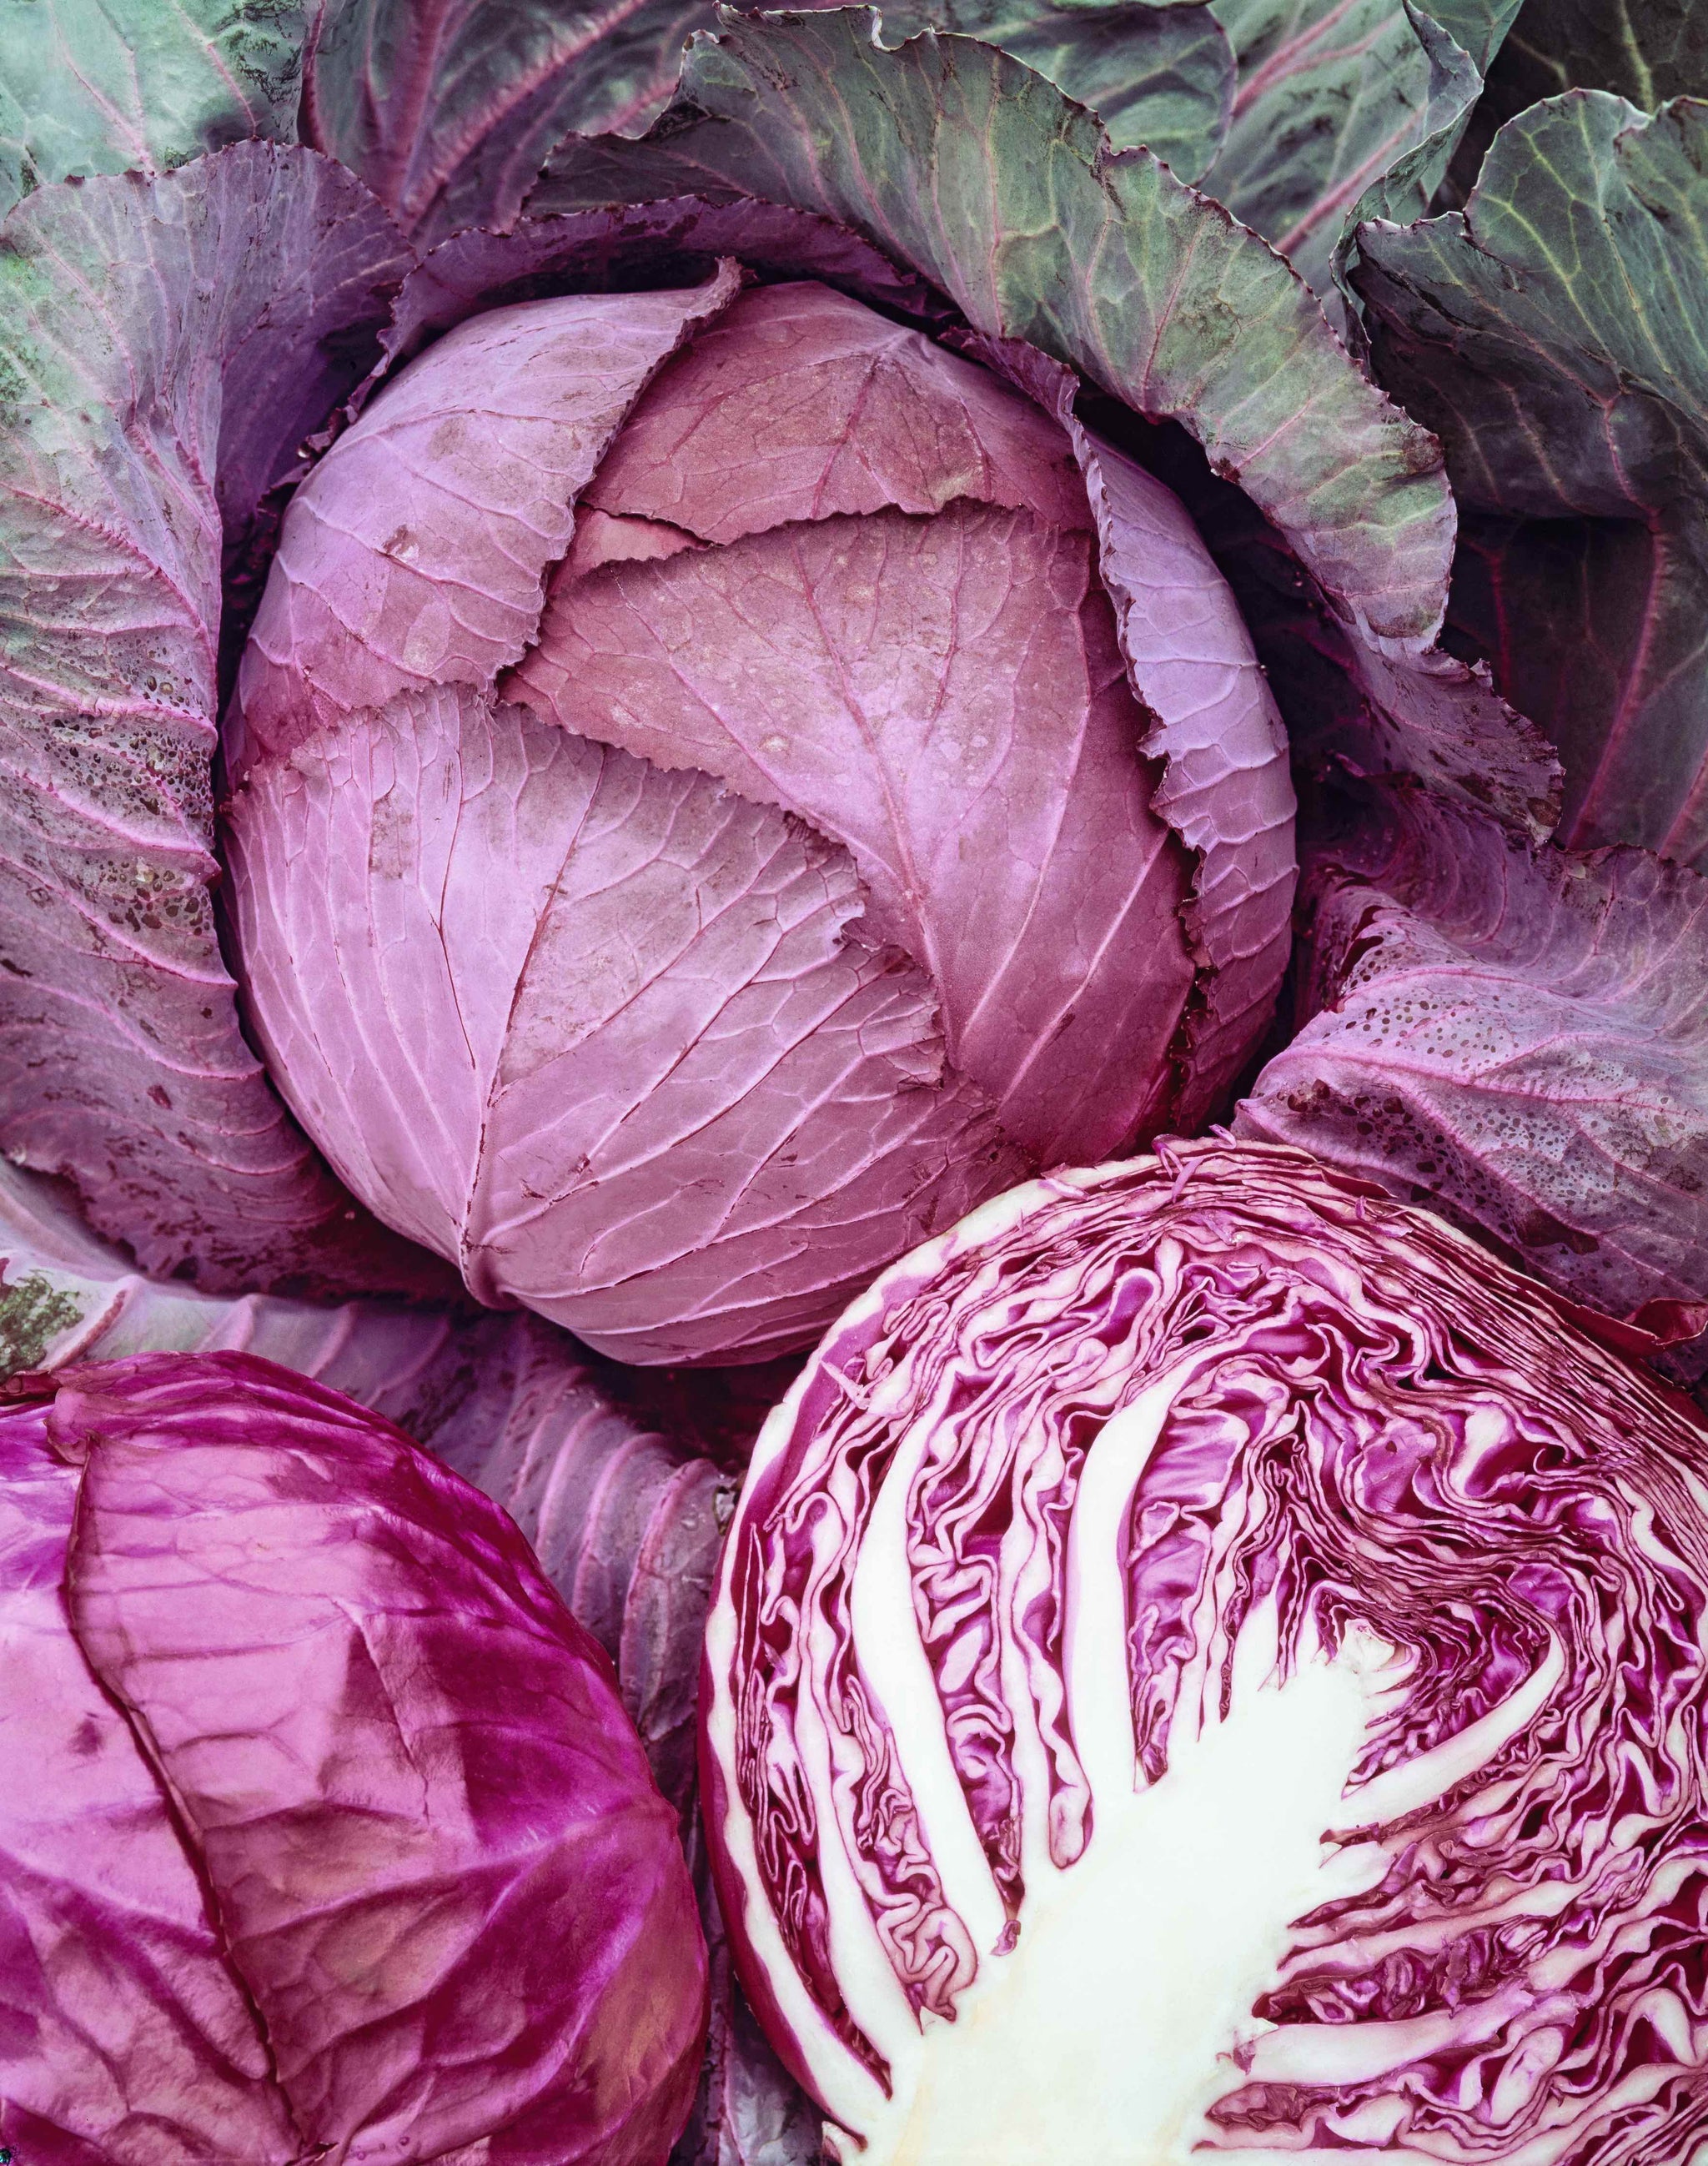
826, 886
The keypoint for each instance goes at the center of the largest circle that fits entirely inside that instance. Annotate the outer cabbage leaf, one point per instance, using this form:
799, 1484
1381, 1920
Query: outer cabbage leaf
1379, 1544
1438, 717
448, 114
1345, 111
453, 1379
395, 1770
960, 161
1155, 74
1518, 1038
1647, 50
164, 347
1551, 332
87, 88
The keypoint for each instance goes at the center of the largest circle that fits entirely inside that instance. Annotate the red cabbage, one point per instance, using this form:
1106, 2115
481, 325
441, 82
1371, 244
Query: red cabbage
1390, 1550
324, 1830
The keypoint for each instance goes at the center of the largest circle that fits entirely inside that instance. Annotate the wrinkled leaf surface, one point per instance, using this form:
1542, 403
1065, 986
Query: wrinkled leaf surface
1518, 1038
164, 347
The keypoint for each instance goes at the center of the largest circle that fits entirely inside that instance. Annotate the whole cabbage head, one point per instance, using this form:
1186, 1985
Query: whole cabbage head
326, 1835
738, 756
1208, 1664
803, 878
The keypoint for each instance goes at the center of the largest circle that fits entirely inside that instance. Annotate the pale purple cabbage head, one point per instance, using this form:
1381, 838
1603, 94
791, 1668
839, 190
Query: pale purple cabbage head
1111, 1549
325, 1834
724, 784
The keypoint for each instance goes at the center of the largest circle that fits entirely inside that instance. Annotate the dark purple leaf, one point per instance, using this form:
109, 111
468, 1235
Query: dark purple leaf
372, 1813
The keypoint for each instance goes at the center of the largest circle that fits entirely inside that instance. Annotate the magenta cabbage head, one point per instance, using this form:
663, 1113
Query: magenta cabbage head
724, 784
325, 1836
1207, 1664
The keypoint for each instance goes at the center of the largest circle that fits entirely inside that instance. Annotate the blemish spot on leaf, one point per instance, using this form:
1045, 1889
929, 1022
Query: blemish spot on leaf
32, 1314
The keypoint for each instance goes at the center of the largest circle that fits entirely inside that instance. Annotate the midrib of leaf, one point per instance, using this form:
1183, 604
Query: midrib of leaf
211, 49
1295, 57
1641, 73
555, 62
390, 182
1348, 190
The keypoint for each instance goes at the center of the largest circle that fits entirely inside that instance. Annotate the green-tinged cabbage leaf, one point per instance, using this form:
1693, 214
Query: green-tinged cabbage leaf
1157, 75
1647, 50
165, 347
87, 87
1347, 109
1555, 335
448, 113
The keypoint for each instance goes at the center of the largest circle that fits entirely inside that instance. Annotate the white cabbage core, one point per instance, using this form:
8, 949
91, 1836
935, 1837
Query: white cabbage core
1106, 2032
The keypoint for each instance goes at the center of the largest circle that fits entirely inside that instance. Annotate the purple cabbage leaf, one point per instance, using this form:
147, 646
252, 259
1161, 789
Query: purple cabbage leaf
327, 1834
1382, 1832
1518, 1037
